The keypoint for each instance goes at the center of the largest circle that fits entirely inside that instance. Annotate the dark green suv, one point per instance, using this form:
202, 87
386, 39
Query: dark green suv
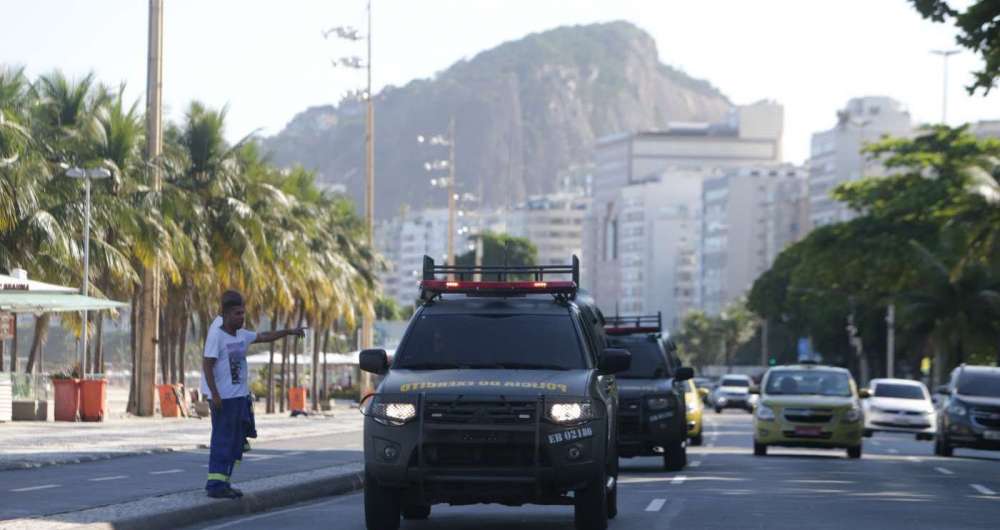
501, 391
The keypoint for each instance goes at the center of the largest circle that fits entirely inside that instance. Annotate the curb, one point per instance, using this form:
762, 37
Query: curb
176, 510
251, 503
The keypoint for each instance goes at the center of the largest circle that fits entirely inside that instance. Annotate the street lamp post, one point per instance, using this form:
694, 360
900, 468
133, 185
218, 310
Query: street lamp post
945, 54
87, 175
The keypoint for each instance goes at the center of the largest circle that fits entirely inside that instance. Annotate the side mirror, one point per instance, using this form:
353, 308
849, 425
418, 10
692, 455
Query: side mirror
703, 392
374, 361
614, 360
864, 393
754, 389
684, 373
670, 346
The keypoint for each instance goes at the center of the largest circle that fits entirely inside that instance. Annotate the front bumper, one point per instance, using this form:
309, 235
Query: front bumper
472, 462
694, 423
784, 433
972, 434
641, 432
733, 402
906, 423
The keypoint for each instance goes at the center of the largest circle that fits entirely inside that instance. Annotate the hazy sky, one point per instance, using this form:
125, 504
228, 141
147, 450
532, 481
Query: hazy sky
268, 61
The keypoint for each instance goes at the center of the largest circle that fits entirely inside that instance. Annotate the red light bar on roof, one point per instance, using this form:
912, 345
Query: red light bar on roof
502, 288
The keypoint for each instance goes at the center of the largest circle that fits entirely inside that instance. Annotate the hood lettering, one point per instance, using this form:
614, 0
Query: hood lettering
429, 385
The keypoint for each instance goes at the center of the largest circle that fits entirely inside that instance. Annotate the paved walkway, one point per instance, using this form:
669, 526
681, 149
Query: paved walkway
27, 444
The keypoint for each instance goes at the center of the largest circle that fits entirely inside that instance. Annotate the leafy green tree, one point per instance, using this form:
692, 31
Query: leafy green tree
978, 28
502, 249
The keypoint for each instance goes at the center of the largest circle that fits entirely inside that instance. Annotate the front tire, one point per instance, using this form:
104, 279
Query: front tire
868, 433
698, 440
382, 506
854, 452
590, 507
718, 410
942, 447
674, 456
613, 501
759, 449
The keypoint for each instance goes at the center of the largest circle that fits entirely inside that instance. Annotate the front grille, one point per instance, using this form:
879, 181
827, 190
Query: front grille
626, 406
479, 455
821, 436
629, 424
911, 425
989, 418
808, 415
480, 412
900, 412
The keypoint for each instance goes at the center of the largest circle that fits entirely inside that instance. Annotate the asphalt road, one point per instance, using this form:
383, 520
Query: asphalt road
57, 489
898, 484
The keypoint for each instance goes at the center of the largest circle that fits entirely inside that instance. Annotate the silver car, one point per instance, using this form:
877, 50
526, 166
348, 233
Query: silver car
899, 405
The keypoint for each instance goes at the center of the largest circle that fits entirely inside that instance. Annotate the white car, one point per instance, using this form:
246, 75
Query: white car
899, 405
733, 392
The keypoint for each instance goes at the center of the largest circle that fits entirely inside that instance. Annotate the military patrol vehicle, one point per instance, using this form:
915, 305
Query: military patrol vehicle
502, 390
652, 414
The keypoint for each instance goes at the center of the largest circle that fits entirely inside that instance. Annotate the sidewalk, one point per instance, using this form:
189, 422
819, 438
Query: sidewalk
29, 445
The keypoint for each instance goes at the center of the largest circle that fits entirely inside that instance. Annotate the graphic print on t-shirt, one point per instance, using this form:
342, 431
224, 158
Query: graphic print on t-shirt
234, 350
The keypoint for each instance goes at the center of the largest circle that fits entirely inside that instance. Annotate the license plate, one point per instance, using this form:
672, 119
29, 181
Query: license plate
808, 431
991, 435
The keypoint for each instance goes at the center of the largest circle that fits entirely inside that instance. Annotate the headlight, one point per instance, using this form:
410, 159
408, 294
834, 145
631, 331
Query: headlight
692, 406
764, 413
659, 403
571, 412
957, 409
392, 413
852, 415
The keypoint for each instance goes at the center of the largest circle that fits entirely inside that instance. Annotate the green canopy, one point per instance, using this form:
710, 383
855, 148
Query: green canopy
48, 302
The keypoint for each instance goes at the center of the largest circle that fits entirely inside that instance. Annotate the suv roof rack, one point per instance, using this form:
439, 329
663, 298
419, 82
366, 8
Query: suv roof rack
473, 280
634, 325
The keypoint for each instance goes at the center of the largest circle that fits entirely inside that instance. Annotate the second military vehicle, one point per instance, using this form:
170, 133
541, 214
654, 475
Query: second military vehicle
652, 410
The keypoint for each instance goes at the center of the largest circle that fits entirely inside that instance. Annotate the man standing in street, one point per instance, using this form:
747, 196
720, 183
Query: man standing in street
225, 383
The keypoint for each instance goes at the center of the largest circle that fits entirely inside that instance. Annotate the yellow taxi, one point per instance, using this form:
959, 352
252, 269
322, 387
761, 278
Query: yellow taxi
808, 405
695, 407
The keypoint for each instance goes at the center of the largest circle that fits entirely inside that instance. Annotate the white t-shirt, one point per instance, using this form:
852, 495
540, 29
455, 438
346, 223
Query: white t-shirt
231, 372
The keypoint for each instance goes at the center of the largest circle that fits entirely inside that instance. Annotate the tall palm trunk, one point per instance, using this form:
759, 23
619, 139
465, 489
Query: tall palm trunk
133, 326
326, 367
284, 367
315, 370
13, 348
270, 366
182, 361
164, 347
98, 367
38, 343
175, 324
295, 352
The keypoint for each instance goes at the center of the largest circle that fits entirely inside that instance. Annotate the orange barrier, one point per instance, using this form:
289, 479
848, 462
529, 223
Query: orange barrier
93, 399
67, 393
297, 399
169, 408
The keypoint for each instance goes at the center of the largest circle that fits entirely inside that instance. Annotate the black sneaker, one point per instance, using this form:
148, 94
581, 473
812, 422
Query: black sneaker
238, 492
224, 493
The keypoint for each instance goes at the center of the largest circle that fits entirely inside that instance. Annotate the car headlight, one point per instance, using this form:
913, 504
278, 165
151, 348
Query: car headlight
571, 412
957, 409
659, 403
389, 413
764, 413
852, 415
692, 406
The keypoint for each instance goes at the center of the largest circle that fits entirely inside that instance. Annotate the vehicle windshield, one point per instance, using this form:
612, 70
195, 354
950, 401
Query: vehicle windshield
891, 390
735, 382
491, 341
647, 360
979, 384
808, 382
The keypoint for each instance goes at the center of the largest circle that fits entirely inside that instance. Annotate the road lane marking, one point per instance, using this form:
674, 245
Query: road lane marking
102, 479
944, 471
696, 463
295, 453
36, 488
983, 489
679, 479
876, 442
655, 505
913, 459
166, 472
894, 451
265, 515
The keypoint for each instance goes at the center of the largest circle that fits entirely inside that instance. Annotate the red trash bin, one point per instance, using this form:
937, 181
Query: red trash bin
67, 394
93, 399
169, 408
297, 399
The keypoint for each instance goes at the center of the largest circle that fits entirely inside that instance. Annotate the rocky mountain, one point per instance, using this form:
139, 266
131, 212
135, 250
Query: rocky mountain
525, 113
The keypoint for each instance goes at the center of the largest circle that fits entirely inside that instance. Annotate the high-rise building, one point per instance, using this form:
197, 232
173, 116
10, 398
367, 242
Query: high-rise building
642, 232
553, 223
836, 157
750, 214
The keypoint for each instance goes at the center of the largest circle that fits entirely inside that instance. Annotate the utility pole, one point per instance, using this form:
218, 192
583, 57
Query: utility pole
763, 343
367, 326
945, 54
890, 350
149, 309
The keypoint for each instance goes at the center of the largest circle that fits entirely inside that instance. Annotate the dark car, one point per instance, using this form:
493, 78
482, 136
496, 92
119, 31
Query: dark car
500, 392
652, 413
970, 411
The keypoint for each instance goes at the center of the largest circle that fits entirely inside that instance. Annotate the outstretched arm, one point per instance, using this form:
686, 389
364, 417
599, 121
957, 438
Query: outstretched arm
271, 336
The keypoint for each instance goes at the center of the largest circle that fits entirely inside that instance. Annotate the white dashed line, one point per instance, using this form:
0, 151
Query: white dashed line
944, 471
696, 463
913, 459
295, 453
983, 489
166, 472
894, 451
102, 479
655, 505
679, 479
36, 488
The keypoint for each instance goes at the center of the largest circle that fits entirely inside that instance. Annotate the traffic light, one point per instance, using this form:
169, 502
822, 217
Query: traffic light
771, 361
